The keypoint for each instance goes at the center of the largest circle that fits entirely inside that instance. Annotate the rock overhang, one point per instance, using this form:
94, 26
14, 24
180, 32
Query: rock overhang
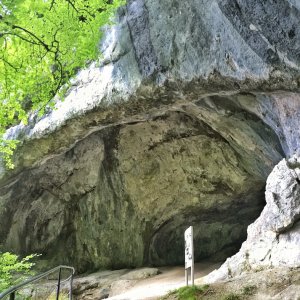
123, 195
158, 94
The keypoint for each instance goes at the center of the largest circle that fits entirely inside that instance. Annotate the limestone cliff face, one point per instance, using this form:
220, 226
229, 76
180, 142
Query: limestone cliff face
191, 107
273, 239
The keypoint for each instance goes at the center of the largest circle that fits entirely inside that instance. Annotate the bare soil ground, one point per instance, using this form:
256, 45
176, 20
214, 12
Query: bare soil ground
170, 278
152, 283
276, 284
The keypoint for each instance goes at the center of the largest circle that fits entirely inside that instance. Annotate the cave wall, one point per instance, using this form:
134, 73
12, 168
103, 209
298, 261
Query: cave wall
122, 196
191, 107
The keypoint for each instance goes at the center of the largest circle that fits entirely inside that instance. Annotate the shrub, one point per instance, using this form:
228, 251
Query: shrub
232, 296
249, 290
13, 269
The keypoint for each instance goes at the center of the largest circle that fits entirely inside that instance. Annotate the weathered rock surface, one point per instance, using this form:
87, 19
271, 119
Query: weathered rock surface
279, 283
123, 196
106, 284
273, 239
159, 53
191, 107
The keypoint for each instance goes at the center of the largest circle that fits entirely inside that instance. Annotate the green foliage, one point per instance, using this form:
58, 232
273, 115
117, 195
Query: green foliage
43, 43
12, 269
62, 296
249, 290
232, 296
7, 148
188, 292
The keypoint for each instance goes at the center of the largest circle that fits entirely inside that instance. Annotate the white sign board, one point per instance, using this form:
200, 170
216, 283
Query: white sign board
189, 248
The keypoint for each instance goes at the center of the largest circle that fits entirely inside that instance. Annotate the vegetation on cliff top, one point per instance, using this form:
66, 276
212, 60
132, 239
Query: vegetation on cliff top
43, 43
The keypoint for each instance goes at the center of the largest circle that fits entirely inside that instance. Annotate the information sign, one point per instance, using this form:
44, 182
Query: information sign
189, 254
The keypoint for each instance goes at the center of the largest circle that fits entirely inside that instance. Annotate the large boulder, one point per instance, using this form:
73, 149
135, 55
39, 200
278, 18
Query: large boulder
274, 238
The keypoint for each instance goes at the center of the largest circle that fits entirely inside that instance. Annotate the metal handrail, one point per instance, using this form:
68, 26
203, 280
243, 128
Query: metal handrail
11, 291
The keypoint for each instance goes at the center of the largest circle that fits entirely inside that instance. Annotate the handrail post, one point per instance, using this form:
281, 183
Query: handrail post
58, 284
71, 284
12, 291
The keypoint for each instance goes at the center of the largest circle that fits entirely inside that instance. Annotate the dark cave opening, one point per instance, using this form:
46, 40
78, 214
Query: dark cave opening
218, 232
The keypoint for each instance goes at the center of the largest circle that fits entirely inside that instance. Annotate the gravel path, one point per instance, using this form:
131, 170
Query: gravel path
169, 279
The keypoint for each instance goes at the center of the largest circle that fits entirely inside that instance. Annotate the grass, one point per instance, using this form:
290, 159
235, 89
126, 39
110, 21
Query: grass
62, 296
188, 292
206, 292
232, 296
249, 290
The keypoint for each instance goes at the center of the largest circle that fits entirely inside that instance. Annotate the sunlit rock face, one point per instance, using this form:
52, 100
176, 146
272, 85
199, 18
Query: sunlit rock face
160, 52
273, 239
190, 108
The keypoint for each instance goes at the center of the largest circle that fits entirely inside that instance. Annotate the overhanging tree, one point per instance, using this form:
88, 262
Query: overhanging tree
42, 45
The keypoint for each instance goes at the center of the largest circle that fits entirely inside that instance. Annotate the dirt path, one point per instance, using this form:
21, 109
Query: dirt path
169, 279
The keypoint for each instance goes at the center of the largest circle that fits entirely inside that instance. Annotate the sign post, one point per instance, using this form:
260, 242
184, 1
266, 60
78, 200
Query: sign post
189, 254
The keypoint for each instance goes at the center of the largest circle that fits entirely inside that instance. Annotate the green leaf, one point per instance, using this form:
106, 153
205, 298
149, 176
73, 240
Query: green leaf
13, 269
42, 44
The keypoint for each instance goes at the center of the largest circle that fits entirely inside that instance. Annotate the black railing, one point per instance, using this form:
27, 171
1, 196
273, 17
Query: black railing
11, 292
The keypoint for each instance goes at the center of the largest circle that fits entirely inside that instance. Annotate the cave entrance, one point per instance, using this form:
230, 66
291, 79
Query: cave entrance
203, 164
218, 232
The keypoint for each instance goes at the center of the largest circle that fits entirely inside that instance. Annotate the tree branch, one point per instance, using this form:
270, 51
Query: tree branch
19, 36
33, 35
10, 64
